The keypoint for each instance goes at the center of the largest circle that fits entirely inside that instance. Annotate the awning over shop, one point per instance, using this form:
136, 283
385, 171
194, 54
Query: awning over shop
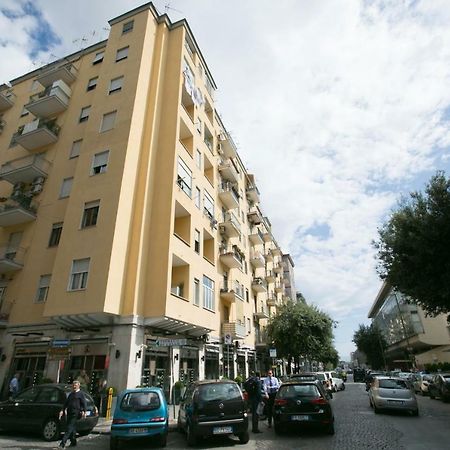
83, 320
170, 325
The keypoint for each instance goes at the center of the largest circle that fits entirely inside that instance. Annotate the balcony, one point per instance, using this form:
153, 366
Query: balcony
267, 236
236, 329
276, 251
37, 134
6, 99
51, 101
254, 216
230, 226
261, 312
231, 292
228, 170
259, 285
226, 146
257, 260
11, 259
25, 169
231, 257
269, 256
67, 73
270, 276
252, 194
272, 300
278, 269
256, 237
228, 195
17, 210
279, 288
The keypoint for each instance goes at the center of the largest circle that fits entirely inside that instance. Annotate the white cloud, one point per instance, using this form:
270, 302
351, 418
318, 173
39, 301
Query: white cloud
336, 106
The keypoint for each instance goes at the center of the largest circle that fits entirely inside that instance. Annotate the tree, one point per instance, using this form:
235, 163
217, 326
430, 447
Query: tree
413, 247
371, 342
299, 329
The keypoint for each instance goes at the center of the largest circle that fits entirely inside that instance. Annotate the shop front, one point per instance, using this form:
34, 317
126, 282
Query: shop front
228, 362
157, 368
212, 357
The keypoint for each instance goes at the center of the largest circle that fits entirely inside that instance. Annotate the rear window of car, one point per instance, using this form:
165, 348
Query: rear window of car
219, 391
334, 375
320, 376
393, 384
140, 401
298, 390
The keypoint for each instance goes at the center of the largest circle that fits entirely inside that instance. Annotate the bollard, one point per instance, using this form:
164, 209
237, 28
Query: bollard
108, 404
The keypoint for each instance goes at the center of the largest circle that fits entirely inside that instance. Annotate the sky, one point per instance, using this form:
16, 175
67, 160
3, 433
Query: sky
337, 107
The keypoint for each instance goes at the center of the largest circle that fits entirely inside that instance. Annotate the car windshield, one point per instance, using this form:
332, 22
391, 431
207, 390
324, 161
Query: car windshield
140, 401
393, 384
219, 391
27, 396
320, 376
298, 390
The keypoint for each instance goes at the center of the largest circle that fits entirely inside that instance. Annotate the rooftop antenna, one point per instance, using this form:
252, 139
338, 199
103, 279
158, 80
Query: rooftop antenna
167, 7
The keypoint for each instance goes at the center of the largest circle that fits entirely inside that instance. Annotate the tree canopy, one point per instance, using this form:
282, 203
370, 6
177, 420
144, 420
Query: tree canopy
413, 247
299, 329
370, 341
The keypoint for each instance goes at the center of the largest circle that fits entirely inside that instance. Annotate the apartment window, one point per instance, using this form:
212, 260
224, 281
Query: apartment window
98, 58
208, 293
247, 297
55, 234
199, 125
84, 115
208, 205
184, 177
198, 159
196, 292
79, 274
249, 326
92, 84
122, 53
197, 241
24, 112
127, 27
90, 214
75, 149
42, 291
115, 85
197, 199
100, 163
66, 187
108, 121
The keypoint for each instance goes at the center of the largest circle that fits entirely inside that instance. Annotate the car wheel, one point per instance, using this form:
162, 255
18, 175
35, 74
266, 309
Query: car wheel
50, 430
162, 440
113, 443
244, 437
191, 438
415, 412
330, 429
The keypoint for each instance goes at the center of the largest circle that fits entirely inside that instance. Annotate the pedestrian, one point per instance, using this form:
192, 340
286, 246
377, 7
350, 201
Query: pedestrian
14, 385
271, 385
84, 379
253, 387
74, 408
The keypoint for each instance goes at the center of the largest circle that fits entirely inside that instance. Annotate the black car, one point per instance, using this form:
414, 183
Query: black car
37, 408
304, 376
211, 408
440, 386
359, 375
302, 403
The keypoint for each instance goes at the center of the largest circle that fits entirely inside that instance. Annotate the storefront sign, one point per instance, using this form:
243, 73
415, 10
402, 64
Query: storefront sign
273, 352
60, 342
164, 342
57, 353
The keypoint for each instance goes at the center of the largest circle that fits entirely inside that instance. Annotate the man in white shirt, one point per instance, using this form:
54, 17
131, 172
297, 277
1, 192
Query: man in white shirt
271, 385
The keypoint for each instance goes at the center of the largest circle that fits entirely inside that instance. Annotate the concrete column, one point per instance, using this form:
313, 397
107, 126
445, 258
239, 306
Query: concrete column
201, 362
246, 364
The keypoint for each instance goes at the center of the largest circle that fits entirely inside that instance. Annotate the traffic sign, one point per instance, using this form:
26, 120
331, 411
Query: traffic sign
227, 339
273, 352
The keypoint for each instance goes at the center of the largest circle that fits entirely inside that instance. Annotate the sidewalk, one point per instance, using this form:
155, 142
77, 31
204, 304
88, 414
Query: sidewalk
104, 426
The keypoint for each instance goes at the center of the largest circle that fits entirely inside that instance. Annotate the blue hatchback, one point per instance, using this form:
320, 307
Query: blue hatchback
140, 413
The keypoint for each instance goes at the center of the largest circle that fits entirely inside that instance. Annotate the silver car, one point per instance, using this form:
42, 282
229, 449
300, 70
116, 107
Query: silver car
421, 383
393, 393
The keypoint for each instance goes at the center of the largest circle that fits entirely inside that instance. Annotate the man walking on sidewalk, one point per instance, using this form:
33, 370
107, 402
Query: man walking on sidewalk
253, 388
271, 385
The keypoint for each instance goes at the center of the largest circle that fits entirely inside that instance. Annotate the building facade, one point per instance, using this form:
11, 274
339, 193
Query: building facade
413, 338
133, 243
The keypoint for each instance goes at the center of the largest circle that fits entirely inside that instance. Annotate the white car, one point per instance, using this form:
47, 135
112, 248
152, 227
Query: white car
339, 383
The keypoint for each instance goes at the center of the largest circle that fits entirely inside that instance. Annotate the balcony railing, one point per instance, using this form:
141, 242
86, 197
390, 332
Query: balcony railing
232, 257
230, 225
228, 195
65, 72
231, 291
236, 329
272, 300
252, 193
259, 285
254, 216
270, 276
51, 101
37, 134
261, 312
226, 146
228, 170
25, 169
11, 258
17, 210
257, 260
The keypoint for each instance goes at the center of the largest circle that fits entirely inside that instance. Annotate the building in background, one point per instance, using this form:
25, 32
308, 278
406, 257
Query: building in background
289, 278
133, 244
413, 338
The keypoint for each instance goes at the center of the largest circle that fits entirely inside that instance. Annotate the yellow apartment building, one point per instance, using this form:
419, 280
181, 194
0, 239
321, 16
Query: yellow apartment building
133, 245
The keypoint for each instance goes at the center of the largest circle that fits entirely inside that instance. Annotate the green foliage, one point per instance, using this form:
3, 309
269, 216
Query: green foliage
413, 247
371, 342
443, 367
239, 379
299, 329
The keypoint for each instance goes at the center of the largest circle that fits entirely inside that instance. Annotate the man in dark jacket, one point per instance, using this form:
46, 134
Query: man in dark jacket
74, 408
253, 387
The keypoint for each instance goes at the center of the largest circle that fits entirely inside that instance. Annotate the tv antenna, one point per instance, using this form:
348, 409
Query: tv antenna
168, 8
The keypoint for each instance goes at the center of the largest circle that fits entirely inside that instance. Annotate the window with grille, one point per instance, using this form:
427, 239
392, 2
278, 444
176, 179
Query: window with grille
79, 274
100, 163
42, 292
90, 214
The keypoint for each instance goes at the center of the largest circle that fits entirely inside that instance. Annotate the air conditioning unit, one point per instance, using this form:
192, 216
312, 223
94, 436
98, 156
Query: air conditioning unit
36, 189
18, 189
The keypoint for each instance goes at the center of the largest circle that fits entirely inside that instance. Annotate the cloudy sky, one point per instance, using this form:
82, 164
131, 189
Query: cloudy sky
337, 106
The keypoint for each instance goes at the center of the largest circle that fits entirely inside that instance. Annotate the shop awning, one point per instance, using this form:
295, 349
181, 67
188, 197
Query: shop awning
83, 320
167, 324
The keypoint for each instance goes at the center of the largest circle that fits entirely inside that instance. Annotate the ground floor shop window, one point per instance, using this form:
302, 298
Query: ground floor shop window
212, 365
157, 370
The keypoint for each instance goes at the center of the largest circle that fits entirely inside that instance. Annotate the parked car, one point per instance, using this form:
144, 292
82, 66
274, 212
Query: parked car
393, 393
37, 408
302, 403
140, 413
421, 382
439, 386
209, 408
359, 375
303, 376
339, 384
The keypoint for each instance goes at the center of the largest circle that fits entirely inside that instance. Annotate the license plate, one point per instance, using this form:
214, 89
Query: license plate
398, 402
138, 430
222, 430
300, 418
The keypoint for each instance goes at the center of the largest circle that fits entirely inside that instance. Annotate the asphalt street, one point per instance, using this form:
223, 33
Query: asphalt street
357, 427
